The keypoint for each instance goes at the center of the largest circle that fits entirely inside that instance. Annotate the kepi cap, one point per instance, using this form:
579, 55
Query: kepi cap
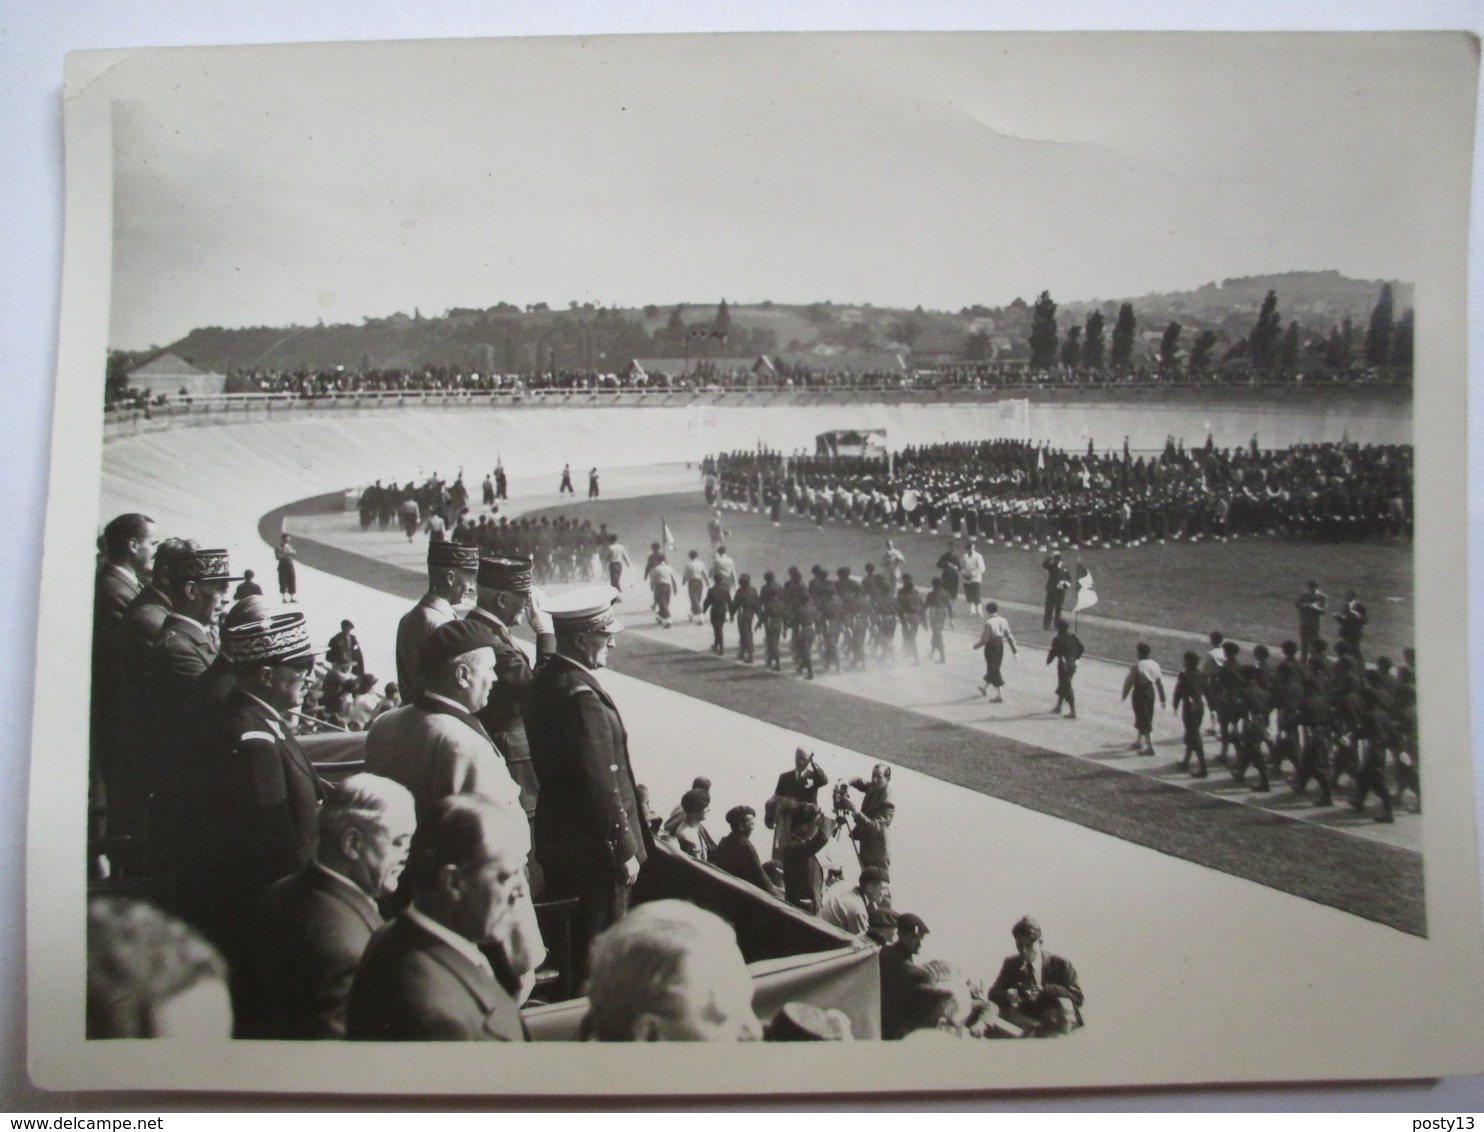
452, 555
511, 574
282, 638
201, 566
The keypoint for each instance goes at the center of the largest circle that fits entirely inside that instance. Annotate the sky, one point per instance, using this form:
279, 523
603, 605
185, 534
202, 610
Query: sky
279, 186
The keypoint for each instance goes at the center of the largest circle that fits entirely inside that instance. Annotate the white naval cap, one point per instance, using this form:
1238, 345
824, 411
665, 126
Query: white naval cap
587, 609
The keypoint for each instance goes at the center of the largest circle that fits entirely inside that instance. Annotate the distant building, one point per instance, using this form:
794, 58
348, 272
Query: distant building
170, 374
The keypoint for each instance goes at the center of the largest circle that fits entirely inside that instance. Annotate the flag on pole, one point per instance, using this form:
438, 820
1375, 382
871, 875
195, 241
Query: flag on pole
1086, 595
667, 540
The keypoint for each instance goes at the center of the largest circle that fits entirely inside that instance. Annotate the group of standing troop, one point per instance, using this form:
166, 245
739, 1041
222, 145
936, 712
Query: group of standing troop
1015, 492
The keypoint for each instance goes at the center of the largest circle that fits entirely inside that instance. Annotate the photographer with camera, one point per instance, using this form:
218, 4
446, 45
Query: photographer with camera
869, 823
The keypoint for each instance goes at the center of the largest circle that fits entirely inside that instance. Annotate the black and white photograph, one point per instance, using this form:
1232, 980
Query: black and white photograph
946, 543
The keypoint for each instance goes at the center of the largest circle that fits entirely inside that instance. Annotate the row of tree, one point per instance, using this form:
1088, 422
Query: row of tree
1268, 348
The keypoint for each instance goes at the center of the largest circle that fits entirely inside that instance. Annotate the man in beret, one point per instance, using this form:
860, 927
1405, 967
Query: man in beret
446, 968
452, 571
590, 834
435, 745
896, 963
248, 796
505, 598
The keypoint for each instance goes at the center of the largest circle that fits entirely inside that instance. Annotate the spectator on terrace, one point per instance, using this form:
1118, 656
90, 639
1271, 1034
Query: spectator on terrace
312, 927
151, 976
670, 972
849, 909
689, 832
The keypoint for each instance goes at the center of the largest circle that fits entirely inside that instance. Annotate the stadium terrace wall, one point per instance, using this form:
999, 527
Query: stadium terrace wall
346, 446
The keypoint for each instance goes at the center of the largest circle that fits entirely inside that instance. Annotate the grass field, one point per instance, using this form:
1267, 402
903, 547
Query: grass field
1171, 596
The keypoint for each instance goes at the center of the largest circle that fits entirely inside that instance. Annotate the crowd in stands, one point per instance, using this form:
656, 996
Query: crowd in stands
1018, 492
703, 375
394, 898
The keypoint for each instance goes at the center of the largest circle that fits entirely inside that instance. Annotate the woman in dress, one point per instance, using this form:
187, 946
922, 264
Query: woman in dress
993, 639
288, 587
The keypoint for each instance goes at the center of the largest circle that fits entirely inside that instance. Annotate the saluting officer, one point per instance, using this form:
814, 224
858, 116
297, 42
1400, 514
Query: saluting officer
452, 571
505, 598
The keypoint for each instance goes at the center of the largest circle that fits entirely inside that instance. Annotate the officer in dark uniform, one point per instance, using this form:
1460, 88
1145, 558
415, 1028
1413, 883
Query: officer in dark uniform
1058, 582
746, 605
773, 610
249, 798
505, 598
590, 836
1190, 701
1314, 729
453, 570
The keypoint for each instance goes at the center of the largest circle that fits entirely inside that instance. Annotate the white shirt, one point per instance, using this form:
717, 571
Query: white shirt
973, 569
452, 938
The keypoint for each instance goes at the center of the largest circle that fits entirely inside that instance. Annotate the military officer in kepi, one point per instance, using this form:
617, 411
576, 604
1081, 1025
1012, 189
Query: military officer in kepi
590, 836
249, 796
452, 571
507, 597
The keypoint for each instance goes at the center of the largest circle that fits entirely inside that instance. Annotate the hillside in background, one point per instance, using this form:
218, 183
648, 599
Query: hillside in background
506, 338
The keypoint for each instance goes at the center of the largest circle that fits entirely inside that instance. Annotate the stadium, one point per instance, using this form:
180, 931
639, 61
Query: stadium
1034, 788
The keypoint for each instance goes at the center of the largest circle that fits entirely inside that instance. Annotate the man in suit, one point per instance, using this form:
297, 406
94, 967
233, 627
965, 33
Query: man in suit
1036, 986
452, 570
443, 970
248, 796
794, 787
590, 835
344, 646
128, 546
670, 972
436, 746
505, 598
311, 928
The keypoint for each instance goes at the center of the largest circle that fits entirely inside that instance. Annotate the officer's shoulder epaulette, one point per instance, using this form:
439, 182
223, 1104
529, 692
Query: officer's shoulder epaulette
257, 736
